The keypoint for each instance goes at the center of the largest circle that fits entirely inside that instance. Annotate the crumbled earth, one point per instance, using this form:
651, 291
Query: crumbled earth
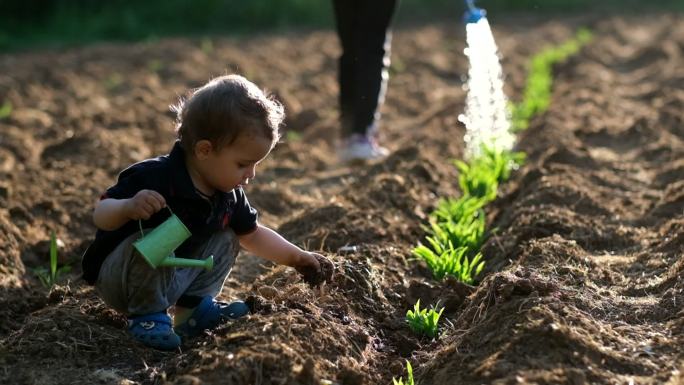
583, 282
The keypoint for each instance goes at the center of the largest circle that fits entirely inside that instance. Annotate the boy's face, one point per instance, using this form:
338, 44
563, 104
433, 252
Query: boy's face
233, 165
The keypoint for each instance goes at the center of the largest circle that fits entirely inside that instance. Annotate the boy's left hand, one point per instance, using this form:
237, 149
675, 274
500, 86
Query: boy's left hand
315, 268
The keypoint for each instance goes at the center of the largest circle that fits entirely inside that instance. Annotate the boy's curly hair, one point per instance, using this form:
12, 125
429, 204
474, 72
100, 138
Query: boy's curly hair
225, 108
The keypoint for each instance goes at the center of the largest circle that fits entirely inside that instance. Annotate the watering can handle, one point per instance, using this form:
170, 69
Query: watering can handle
142, 233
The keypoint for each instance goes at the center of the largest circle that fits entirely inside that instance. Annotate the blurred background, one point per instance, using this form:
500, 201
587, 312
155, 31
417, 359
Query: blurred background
26, 24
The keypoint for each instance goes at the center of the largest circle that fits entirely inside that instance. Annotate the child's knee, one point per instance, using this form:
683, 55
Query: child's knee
110, 282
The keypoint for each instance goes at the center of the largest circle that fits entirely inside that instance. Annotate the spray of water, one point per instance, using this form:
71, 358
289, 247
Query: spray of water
486, 115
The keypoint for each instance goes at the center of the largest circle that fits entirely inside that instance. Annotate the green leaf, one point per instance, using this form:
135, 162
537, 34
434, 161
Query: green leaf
409, 370
53, 256
423, 321
400, 381
6, 109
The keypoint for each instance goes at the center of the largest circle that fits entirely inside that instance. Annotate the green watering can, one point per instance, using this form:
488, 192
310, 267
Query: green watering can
157, 246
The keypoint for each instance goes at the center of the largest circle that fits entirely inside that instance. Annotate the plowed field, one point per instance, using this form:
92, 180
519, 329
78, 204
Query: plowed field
583, 282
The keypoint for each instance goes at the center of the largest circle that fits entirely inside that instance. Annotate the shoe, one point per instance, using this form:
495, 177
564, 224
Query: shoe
209, 314
361, 148
154, 330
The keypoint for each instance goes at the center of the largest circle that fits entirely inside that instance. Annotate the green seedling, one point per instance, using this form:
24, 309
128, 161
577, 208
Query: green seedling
501, 163
467, 233
113, 81
537, 93
6, 109
457, 210
398, 66
481, 176
423, 321
446, 260
49, 278
293, 136
207, 45
459, 221
477, 180
400, 381
155, 65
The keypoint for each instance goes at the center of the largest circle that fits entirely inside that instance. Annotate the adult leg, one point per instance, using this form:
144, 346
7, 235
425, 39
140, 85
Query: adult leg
372, 63
347, 23
363, 29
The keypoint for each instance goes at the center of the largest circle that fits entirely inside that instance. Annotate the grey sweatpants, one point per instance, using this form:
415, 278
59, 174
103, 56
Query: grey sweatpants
131, 286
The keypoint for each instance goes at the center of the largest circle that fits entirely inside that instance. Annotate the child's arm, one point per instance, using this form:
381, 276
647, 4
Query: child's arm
110, 214
268, 244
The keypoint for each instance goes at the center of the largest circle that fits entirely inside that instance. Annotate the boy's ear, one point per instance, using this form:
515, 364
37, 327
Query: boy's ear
203, 149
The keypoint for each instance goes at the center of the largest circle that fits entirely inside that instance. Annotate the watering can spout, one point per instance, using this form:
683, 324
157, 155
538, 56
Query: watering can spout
473, 14
207, 263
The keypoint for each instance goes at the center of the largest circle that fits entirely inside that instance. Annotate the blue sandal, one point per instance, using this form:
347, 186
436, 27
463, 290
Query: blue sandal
154, 330
209, 314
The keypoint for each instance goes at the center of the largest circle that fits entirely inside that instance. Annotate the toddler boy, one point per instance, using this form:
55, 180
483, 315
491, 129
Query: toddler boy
225, 129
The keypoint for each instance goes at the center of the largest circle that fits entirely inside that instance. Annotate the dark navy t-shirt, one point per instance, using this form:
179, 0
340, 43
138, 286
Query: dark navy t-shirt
168, 175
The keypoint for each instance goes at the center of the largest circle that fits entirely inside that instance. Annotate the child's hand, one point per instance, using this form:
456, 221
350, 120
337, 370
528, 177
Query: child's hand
144, 204
315, 268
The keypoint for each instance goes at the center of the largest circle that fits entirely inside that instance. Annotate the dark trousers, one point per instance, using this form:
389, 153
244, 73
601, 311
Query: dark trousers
363, 27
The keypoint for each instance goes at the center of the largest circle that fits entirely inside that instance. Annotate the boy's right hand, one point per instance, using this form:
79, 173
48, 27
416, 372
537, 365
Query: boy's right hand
144, 204
315, 268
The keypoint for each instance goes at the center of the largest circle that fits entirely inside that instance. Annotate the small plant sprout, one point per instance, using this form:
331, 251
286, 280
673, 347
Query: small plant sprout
456, 210
49, 278
447, 260
537, 93
398, 66
400, 381
501, 162
113, 81
155, 65
467, 231
477, 180
207, 45
423, 321
6, 109
293, 136
482, 175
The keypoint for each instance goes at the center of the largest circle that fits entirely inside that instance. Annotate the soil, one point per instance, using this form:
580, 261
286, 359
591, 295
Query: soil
583, 282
